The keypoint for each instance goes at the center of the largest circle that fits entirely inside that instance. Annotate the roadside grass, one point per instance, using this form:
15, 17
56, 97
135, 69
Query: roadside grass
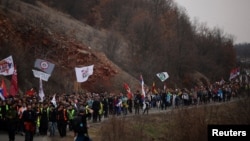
189, 124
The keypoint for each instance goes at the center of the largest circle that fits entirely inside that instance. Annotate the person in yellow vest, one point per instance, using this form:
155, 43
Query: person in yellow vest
37, 109
11, 121
71, 114
4, 109
44, 120
100, 111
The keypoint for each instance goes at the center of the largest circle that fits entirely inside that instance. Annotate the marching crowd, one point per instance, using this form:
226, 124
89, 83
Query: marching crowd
28, 116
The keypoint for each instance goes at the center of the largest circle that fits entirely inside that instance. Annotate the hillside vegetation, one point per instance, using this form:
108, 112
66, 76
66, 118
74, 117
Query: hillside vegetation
160, 37
137, 36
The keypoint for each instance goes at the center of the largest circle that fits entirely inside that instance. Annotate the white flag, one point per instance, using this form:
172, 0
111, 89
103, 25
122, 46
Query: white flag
142, 87
162, 76
41, 92
53, 101
39, 74
7, 66
83, 73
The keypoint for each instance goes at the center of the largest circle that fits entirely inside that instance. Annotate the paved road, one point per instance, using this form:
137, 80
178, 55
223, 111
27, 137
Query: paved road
69, 137
4, 137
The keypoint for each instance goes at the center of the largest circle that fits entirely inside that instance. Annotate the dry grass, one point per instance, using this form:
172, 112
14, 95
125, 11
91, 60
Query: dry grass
189, 124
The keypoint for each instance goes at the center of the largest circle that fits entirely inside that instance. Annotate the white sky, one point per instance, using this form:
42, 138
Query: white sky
231, 16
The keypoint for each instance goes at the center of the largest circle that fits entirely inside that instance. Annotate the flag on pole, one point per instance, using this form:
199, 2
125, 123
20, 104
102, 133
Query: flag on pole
14, 84
44, 65
83, 73
142, 87
162, 76
53, 101
7, 66
41, 92
129, 94
30, 92
165, 87
4, 89
1, 94
234, 73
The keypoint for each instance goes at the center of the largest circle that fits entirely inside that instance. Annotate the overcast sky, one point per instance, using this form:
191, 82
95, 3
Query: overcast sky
231, 16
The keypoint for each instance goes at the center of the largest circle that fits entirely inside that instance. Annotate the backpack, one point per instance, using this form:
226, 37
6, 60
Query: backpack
30, 116
79, 126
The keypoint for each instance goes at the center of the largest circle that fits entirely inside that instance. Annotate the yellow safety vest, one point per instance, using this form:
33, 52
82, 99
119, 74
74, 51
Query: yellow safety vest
101, 108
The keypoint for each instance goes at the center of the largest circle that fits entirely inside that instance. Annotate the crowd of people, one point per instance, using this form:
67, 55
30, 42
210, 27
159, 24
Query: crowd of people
29, 117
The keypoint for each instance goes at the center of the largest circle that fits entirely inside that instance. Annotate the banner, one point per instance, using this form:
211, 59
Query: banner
162, 76
83, 73
40, 74
44, 66
7, 66
14, 84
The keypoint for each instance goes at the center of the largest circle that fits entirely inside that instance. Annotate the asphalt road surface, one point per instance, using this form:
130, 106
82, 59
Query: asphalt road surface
69, 137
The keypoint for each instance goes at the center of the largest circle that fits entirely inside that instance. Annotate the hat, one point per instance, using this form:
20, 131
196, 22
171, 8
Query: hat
81, 109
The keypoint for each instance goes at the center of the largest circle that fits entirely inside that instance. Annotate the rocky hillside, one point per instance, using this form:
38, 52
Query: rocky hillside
28, 32
132, 37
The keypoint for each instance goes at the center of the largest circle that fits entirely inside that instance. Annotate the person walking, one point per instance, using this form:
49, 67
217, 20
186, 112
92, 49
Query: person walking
80, 126
71, 114
137, 102
52, 120
43, 128
29, 118
12, 120
96, 108
62, 120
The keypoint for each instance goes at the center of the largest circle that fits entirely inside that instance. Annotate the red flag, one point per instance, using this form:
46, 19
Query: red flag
3, 86
31, 92
154, 91
129, 94
14, 86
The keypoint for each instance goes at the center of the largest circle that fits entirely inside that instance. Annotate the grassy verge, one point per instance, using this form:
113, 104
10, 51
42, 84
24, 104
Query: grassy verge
189, 124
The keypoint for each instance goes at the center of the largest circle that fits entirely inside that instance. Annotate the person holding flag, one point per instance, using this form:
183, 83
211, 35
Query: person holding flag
143, 93
129, 98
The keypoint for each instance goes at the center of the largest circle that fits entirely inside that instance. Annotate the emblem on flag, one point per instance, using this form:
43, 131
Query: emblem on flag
162, 76
7, 66
83, 73
44, 66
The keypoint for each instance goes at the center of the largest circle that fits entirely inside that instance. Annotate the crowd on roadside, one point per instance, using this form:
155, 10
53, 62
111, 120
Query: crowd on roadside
46, 117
